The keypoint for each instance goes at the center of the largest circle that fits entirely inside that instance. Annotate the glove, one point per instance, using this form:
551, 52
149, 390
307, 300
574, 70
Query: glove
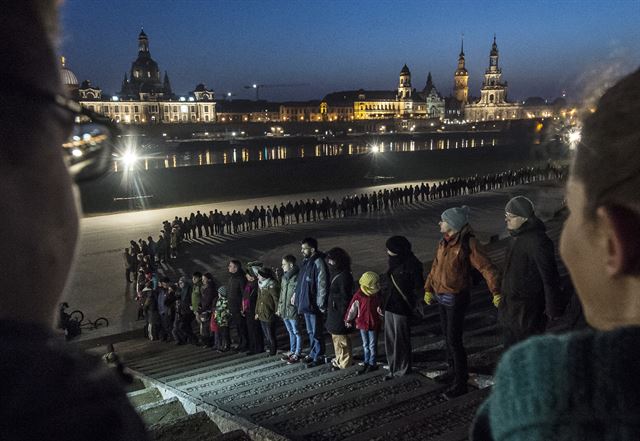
497, 299
429, 298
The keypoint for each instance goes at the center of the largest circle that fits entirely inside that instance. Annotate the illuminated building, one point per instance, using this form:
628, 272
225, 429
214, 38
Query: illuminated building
493, 104
144, 98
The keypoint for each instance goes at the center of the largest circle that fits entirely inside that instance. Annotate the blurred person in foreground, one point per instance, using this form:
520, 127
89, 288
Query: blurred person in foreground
585, 385
51, 390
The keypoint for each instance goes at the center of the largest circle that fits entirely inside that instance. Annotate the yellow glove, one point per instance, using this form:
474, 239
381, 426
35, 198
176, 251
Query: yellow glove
497, 298
429, 298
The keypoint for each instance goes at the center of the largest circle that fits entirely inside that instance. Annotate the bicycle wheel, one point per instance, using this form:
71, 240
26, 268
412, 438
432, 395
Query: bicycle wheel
100, 322
77, 315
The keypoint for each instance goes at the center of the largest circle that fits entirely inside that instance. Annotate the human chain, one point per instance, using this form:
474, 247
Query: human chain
143, 254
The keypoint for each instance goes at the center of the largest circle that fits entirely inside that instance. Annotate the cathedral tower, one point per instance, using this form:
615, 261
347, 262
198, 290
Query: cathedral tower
493, 91
404, 86
461, 79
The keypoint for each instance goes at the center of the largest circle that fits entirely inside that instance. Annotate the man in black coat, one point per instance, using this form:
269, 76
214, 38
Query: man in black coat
530, 285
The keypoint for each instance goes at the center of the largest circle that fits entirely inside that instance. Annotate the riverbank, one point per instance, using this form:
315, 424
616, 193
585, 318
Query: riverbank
126, 191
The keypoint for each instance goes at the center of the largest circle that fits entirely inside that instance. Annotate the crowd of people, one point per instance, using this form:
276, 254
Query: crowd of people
217, 223
320, 294
580, 385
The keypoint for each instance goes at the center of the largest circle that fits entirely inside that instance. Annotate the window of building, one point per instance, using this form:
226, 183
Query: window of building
206, 109
136, 109
116, 109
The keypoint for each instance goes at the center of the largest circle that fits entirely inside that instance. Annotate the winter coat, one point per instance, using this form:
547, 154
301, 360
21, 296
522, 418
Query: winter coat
196, 293
222, 311
235, 287
530, 285
312, 285
340, 294
286, 310
451, 269
364, 309
208, 298
249, 299
268, 293
150, 306
184, 296
409, 276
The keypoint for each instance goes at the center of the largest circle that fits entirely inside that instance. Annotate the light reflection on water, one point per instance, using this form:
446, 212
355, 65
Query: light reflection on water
238, 153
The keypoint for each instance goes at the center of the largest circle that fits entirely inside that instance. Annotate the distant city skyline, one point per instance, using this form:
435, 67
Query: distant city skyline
545, 47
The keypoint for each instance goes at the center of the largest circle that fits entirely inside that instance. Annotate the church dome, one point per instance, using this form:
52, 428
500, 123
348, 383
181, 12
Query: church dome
68, 78
405, 70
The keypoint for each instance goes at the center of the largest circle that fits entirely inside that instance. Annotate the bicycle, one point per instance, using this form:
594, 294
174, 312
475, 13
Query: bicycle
73, 322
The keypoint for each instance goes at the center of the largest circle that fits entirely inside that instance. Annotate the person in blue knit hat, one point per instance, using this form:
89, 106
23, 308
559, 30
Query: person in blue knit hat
449, 284
585, 385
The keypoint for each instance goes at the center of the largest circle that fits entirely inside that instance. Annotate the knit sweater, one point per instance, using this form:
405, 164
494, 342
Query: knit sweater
579, 386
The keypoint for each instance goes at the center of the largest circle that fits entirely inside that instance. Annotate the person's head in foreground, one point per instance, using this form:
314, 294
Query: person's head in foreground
585, 385
53, 390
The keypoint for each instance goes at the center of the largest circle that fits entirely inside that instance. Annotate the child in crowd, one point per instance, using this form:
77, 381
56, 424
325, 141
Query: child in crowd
221, 317
364, 308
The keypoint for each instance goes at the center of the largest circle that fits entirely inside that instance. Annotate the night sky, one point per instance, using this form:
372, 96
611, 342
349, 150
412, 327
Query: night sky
545, 46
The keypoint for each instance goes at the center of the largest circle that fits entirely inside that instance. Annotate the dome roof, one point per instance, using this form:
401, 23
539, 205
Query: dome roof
68, 77
405, 70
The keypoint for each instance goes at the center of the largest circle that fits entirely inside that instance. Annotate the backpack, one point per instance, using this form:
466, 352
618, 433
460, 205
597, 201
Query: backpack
476, 276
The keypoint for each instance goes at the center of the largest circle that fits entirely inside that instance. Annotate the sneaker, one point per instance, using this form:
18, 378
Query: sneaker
307, 359
372, 367
334, 368
285, 356
293, 359
313, 364
385, 367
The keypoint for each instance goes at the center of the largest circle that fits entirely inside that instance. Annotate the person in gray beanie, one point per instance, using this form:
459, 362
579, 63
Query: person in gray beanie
531, 292
449, 285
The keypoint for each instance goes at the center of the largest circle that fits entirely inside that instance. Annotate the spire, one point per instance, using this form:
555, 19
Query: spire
143, 42
405, 70
494, 46
462, 46
63, 61
429, 86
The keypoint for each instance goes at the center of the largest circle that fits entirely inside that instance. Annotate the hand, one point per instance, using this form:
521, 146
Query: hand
429, 298
380, 311
497, 299
256, 317
347, 324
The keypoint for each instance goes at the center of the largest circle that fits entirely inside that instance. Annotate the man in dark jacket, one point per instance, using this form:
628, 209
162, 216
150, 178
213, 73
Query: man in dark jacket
530, 285
235, 288
311, 297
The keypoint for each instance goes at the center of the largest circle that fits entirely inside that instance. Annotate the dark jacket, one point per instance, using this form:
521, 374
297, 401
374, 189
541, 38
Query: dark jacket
409, 276
530, 285
235, 287
312, 286
340, 294
208, 299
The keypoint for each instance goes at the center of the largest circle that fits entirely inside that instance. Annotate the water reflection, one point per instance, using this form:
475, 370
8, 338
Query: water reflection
221, 154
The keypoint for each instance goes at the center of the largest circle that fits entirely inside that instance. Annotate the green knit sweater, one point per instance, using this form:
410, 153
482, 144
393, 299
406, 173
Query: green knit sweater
580, 386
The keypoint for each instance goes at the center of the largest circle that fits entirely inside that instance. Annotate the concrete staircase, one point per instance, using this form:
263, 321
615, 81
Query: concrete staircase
194, 393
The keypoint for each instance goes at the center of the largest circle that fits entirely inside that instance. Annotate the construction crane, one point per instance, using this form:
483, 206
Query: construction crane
257, 87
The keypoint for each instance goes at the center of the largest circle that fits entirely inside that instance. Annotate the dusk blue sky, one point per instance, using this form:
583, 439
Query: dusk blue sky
545, 46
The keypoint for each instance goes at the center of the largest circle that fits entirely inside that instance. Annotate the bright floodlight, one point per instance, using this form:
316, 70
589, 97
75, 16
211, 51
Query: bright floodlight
375, 148
574, 137
129, 159
76, 152
255, 86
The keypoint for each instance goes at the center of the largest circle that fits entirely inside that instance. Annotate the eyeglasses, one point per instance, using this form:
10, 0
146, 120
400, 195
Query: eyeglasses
510, 216
89, 148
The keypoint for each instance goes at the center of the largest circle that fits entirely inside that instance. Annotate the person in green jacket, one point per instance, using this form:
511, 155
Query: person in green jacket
584, 385
268, 293
287, 310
